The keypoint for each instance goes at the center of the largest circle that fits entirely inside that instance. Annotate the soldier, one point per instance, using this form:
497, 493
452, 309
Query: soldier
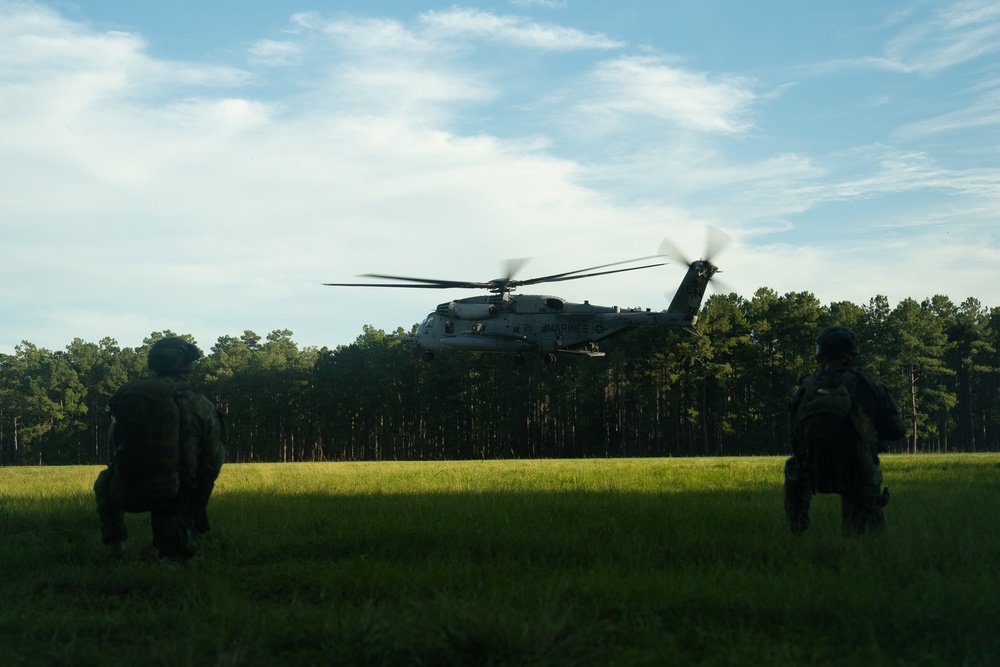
167, 446
838, 420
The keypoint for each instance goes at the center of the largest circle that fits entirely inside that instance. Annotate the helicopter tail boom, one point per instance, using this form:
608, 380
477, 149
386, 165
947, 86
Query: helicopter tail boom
687, 300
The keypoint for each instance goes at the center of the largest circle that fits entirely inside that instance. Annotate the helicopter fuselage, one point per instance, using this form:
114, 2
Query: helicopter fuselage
532, 323
504, 322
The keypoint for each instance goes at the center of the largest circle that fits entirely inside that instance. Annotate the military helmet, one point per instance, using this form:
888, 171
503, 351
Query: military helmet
172, 355
837, 339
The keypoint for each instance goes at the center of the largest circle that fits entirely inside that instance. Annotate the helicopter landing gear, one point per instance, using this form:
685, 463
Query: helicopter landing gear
548, 359
427, 356
518, 359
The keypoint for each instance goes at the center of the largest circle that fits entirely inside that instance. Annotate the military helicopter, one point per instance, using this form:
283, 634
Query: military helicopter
502, 321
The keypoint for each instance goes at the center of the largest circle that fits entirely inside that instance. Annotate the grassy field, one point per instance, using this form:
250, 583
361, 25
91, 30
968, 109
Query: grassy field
594, 562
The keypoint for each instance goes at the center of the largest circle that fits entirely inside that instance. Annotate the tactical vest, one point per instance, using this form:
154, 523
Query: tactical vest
831, 428
147, 434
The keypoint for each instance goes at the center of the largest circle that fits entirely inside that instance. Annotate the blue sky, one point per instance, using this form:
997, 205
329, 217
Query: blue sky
205, 167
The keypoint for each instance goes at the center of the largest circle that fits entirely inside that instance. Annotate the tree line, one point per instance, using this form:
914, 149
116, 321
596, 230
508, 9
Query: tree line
658, 392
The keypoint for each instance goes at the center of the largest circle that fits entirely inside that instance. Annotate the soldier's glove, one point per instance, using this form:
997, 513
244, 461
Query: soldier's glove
883, 499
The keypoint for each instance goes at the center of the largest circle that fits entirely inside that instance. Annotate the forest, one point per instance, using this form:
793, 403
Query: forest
657, 392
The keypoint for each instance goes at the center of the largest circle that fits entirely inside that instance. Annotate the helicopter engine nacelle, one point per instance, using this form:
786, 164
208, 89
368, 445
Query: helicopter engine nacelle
473, 311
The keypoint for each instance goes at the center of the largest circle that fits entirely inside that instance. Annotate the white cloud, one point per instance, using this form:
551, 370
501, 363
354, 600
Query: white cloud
956, 34
513, 30
382, 67
369, 37
405, 89
212, 214
649, 87
56, 76
546, 4
940, 262
982, 112
148, 194
275, 53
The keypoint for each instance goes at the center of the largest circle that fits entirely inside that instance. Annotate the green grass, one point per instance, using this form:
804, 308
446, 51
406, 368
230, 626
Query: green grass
596, 562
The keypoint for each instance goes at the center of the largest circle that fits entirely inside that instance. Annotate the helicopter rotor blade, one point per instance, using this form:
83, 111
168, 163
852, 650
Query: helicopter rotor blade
721, 286
500, 284
670, 250
433, 281
572, 275
569, 275
512, 268
716, 241
509, 283
411, 285
426, 283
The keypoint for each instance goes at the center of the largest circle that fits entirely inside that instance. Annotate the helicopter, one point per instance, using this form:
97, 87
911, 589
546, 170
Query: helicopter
502, 321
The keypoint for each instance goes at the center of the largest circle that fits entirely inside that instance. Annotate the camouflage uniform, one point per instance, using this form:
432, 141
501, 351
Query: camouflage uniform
856, 475
178, 519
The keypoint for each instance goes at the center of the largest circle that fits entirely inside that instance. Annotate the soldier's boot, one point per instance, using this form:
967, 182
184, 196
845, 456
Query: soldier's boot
865, 511
876, 516
174, 537
798, 496
111, 518
117, 549
797, 512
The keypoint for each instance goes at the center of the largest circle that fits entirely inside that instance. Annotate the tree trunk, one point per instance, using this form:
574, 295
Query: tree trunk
913, 407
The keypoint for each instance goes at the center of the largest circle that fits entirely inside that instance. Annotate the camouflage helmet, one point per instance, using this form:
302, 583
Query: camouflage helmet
172, 355
837, 339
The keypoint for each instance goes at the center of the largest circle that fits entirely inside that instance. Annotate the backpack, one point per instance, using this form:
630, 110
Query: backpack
147, 435
830, 428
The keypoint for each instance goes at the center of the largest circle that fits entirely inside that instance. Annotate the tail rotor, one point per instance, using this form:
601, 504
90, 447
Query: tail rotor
716, 241
686, 302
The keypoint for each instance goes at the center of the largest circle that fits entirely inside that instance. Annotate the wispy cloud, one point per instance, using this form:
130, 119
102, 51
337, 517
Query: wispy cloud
386, 67
39, 48
650, 87
435, 31
546, 4
982, 111
419, 69
275, 53
514, 30
959, 33
365, 35
403, 147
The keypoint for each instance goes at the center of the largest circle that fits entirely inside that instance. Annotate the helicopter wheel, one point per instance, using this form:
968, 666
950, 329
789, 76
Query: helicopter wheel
519, 360
549, 359
427, 356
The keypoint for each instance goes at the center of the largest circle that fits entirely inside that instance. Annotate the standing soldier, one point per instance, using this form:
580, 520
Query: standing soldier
167, 446
838, 419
